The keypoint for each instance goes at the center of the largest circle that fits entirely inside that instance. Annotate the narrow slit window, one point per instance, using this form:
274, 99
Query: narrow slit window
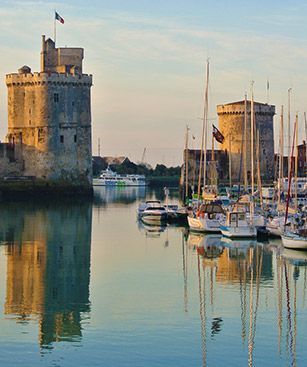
62, 138
56, 97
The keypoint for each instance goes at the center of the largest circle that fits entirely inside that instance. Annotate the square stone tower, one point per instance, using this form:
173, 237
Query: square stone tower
231, 125
49, 117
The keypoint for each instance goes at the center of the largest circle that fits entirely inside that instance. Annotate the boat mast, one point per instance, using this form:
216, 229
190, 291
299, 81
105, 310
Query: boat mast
281, 153
296, 159
252, 137
245, 144
290, 177
186, 162
229, 158
258, 168
202, 145
206, 106
289, 133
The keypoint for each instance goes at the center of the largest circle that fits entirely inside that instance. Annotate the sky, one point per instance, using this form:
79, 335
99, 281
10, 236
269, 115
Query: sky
148, 61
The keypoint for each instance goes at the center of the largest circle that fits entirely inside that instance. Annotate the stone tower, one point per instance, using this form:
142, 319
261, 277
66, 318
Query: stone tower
49, 117
231, 125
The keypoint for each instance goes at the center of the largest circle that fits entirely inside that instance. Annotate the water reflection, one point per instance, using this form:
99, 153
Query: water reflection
48, 266
104, 195
252, 266
152, 231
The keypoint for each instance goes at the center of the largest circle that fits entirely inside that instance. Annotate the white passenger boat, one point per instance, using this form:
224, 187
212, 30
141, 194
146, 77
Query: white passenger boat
208, 218
237, 226
111, 178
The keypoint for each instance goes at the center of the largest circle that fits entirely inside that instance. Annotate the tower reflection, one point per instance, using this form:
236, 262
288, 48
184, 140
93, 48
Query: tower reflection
48, 266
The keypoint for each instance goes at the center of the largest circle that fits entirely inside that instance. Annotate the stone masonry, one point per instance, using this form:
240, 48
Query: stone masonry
49, 117
231, 125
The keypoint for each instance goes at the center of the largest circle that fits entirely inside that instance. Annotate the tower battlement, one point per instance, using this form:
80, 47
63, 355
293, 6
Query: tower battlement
237, 108
48, 78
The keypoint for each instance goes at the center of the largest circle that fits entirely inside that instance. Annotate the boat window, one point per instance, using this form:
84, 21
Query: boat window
233, 218
241, 216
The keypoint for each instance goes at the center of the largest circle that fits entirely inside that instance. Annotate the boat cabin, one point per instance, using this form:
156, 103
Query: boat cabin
235, 219
211, 211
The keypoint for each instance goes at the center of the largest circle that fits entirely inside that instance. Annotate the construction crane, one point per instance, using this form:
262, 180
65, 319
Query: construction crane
143, 156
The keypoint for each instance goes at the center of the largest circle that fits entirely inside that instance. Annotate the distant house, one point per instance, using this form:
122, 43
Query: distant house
116, 160
101, 163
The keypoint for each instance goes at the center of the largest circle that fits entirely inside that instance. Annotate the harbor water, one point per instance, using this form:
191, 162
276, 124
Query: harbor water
86, 284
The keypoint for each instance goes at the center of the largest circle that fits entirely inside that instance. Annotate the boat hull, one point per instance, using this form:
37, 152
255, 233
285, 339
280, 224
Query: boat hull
153, 217
100, 182
294, 242
204, 225
239, 232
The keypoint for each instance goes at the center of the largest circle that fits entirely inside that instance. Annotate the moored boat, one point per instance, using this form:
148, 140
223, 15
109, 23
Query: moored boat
294, 240
237, 226
154, 212
111, 178
276, 225
208, 218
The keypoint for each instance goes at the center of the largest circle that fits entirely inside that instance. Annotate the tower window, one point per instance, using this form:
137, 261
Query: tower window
56, 97
75, 138
62, 138
73, 103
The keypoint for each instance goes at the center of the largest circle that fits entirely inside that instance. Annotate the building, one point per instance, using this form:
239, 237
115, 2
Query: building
49, 119
193, 158
231, 124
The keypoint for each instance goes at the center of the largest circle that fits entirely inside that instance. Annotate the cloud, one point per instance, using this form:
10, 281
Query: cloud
149, 71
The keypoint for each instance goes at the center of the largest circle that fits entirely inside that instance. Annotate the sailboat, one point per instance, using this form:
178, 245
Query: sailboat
207, 217
294, 239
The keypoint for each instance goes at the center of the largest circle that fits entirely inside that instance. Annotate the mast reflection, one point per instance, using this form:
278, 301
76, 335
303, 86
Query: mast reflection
48, 267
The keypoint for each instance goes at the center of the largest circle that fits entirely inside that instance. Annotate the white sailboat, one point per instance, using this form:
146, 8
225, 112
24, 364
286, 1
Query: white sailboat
293, 239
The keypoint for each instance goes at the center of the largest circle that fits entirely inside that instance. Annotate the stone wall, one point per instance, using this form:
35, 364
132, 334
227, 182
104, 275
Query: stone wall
11, 163
231, 125
49, 121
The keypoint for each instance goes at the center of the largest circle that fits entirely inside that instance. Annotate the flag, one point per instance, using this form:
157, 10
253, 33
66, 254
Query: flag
217, 134
59, 18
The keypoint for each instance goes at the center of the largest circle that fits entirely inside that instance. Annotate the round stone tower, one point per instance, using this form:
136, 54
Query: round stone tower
49, 117
231, 125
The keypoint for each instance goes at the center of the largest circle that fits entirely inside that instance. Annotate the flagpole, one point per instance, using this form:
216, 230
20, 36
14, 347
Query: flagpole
54, 28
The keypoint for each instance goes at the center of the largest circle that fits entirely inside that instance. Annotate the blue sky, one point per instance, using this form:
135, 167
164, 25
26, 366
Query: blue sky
148, 61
